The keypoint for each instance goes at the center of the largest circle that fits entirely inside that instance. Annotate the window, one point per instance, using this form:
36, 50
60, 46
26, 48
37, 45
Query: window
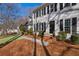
37, 27
61, 25
51, 7
37, 14
55, 6
48, 9
44, 10
52, 26
73, 4
67, 25
44, 26
61, 6
67, 4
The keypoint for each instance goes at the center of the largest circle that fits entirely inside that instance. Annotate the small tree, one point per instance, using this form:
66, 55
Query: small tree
22, 29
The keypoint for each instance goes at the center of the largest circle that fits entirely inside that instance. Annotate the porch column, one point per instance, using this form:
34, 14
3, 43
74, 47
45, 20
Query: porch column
64, 25
71, 25
33, 21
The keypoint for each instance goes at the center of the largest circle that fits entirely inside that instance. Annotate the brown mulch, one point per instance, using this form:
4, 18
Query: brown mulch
58, 48
40, 50
72, 52
17, 48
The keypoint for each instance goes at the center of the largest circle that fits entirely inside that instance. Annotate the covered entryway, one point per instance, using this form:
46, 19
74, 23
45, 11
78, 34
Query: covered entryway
52, 26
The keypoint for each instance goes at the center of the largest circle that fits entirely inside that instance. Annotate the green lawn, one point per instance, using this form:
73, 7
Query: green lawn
8, 39
5, 39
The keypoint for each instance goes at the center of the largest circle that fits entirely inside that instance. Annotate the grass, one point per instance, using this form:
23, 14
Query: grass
4, 36
8, 39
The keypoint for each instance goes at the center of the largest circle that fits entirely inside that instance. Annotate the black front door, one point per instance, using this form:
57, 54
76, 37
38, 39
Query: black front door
52, 26
74, 25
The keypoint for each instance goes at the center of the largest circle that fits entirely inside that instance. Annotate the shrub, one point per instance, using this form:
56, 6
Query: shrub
62, 36
75, 39
30, 31
22, 29
41, 33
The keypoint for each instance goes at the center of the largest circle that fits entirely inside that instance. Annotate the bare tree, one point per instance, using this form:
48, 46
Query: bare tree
8, 13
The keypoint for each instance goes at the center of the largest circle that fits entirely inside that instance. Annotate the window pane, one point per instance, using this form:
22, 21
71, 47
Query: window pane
67, 25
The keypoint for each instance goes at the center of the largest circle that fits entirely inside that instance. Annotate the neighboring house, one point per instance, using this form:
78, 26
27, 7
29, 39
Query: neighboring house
11, 31
56, 17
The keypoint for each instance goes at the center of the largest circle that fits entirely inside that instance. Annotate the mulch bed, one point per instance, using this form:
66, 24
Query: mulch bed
17, 48
25, 48
58, 48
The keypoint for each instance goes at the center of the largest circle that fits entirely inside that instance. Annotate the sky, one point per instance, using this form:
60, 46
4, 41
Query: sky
26, 6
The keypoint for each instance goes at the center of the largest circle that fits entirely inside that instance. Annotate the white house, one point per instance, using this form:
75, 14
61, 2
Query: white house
56, 17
